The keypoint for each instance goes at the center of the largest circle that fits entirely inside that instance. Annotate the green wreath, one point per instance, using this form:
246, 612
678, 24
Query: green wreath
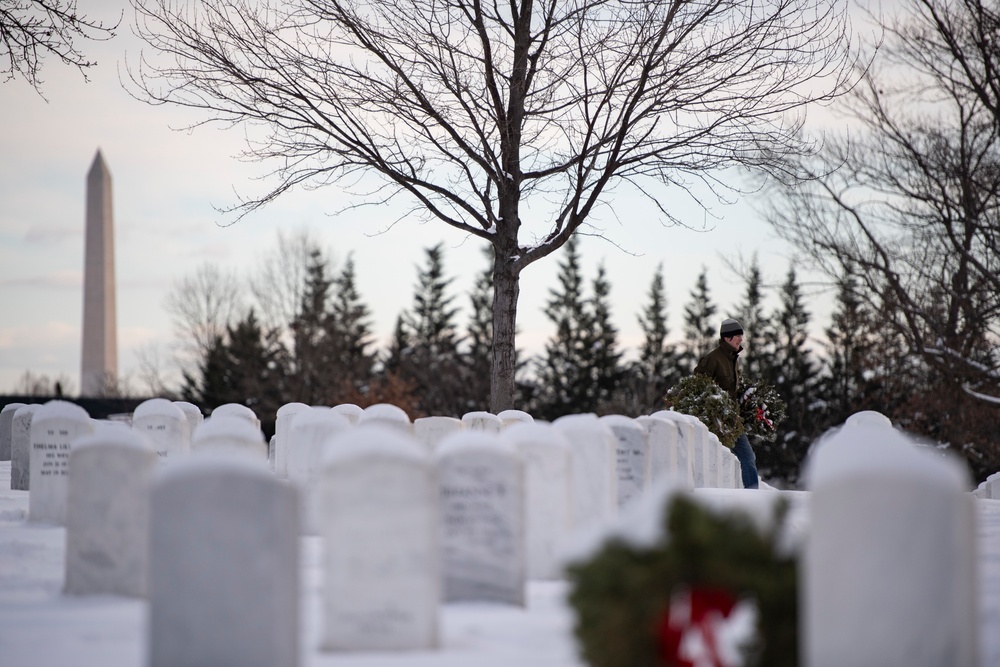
623, 595
699, 396
761, 410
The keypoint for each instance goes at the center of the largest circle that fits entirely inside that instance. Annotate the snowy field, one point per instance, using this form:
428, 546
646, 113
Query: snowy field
41, 627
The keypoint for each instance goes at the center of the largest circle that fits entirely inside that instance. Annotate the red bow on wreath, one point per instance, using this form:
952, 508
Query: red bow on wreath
762, 417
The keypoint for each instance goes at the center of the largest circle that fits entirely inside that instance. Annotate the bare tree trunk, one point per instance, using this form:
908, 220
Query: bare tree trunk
506, 289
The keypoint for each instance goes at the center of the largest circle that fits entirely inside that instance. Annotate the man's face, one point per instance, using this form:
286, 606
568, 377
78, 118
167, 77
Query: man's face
735, 341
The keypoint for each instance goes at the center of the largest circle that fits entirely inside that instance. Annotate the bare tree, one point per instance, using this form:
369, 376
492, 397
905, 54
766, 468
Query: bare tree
203, 305
30, 30
910, 202
279, 283
511, 122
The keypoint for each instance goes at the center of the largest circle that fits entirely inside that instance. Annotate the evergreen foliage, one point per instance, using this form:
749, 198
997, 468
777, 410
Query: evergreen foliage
759, 355
350, 335
606, 373
699, 396
657, 366
479, 338
762, 410
622, 594
700, 328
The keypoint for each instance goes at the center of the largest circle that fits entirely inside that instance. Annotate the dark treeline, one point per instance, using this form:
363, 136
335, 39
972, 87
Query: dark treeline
433, 365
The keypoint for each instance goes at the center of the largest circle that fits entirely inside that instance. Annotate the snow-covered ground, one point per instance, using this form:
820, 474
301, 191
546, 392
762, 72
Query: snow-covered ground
41, 627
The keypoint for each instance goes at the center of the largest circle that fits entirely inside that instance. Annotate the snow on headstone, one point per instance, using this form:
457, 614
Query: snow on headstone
282, 426
107, 521
192, 414
593, 478
223, 566
716, 452
482, 421
482, 519
665, 459
888, 573
53, 429
694, 437
349, 410
224, 434
307, 440
631, 456
166, 426
237, 410
6, 422
20, 447
382, 573
868, 418
511, 417
431, 431
991, 487
388, 415
548, 507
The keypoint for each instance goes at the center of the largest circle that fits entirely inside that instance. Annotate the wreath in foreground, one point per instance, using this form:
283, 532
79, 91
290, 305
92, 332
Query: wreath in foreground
758, 413
713, 590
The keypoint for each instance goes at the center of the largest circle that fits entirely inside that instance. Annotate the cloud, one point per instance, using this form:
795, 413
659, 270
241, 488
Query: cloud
55, 280
48, 334
52, 235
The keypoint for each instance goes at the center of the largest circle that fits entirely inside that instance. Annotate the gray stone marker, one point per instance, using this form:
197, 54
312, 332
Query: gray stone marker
888, 574
229, 435
382, 572
53, 429
6, 429
166, 426
431, 431
665, 460
20, 447
223, 566
548, 501
107, 521
482, 421
282, 426
631, 456
308, 439
388, 415
482, 519
593, 478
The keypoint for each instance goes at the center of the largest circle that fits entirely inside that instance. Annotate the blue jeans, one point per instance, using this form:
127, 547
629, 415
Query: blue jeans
748, 462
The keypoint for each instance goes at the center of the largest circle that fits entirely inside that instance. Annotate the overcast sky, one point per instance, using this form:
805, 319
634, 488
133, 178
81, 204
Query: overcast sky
167, 185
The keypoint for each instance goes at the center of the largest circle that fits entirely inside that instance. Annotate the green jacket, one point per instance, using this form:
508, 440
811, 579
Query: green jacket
722, 365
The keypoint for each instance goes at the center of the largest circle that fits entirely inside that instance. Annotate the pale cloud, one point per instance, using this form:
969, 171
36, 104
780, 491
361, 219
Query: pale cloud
54, 280
48, 334
47, 235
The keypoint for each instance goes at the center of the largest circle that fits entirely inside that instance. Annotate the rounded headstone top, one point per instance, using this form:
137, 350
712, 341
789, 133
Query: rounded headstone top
868, 418
475, 441
159, 407
60, 410
189, 409
319, 417
349, 409
515, 416
290, 409
532, 432
30, 408
235, 410
11, 407
228, 427
212, 464
110, 433
575, 419
373, 440
385, 411
621, 420
862, 450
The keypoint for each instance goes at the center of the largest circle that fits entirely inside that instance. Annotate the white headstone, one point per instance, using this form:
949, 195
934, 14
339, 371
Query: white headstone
53, 428
382, 573
666, 458
224, 566
308, 438
20, 447
693, 436
548, 503
482, 519
868, 418
685, 450
237, 410
229, 435
511, 417
166, 426
715, 452
107, 521
888, 576
6, 421
350, 410
388, 415
631, 456
193, 415
282, 426
593, 478
431, 431
482, 421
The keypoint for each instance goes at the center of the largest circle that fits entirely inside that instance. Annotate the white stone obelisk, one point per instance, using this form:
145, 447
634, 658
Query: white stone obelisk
99, 358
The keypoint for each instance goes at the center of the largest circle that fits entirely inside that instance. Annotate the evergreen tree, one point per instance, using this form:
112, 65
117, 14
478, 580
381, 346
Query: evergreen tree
479, 338
349, 332
758, 354
851, 347
605, 371
701, 331
310, 379
657, 367
795, 379
564, 386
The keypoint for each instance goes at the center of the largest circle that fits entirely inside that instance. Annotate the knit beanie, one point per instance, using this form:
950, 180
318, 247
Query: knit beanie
730, 327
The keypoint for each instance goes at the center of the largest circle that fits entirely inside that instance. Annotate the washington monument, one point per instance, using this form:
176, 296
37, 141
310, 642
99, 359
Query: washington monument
99, 358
